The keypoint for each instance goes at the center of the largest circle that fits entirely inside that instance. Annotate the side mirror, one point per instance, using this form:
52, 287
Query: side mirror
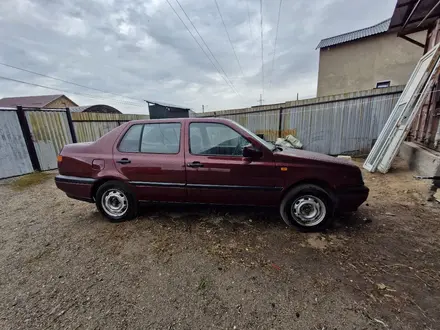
250, 152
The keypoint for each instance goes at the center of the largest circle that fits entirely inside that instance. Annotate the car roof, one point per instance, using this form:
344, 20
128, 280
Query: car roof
181, 120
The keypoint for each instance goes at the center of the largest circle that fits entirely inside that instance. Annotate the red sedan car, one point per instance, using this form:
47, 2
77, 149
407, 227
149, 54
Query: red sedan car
213, 161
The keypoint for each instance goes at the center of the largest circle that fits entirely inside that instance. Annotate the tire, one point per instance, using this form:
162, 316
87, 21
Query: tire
313, 211
116, 201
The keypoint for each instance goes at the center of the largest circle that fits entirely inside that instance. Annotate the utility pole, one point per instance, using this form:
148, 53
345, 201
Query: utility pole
203, 108
261, 99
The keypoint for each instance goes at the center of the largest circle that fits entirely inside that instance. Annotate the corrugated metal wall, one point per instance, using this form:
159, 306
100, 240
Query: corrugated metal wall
91, 131
50, 132
343, 127
14, 157
266, 123
90, 116
339, 124
91, 126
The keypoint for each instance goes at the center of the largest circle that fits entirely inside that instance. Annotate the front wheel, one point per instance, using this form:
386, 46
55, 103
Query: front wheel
308, 207
116, 202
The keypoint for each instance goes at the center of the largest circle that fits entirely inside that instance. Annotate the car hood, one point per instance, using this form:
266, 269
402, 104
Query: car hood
289, 154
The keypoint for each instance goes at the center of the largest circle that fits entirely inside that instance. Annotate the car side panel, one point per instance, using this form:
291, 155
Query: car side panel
155, 177
232, 179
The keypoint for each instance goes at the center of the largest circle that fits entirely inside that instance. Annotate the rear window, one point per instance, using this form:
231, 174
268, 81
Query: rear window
130, 141
158, 138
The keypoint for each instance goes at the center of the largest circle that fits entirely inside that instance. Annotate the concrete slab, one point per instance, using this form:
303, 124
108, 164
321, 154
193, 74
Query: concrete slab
420, 159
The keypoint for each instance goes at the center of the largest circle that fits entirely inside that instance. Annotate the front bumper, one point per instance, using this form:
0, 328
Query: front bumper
350, 198
76, 187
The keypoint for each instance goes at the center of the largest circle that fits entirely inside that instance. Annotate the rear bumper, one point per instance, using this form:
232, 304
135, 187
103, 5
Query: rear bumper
76, 187
349, 199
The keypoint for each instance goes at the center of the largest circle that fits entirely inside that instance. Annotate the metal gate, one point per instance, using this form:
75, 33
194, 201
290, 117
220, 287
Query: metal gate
50, 132
14, 155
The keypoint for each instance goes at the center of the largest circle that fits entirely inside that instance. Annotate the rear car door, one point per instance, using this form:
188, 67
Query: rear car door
218, 173
151, 157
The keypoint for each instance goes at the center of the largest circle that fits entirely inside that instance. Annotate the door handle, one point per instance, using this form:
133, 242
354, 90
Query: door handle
124, 161
194, 164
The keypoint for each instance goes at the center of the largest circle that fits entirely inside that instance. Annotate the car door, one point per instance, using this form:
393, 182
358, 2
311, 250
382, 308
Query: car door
151, 157
218, 173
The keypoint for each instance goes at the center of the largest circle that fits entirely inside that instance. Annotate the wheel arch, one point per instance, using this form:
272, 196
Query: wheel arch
98, 183
318, 182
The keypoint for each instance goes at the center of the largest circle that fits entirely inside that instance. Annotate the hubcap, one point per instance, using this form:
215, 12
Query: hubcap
308, 210
114, 202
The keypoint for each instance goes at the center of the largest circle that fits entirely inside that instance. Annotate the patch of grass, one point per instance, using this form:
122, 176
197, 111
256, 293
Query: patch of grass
29, 180
203, 284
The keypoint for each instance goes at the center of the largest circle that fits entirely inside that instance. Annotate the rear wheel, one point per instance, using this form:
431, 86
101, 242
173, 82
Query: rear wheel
116, 202
307, 207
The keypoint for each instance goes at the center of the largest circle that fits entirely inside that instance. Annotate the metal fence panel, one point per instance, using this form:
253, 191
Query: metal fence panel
343, 127
91, 126
93, 116
14, 156
336, 124
265, 123
91, 131
50, 132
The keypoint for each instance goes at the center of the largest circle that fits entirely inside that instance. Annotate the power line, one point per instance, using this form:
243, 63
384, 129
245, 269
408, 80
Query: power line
249, 17
275, 44
206, 45
68, 92
225, 78
67, 82
262, 48
229, 37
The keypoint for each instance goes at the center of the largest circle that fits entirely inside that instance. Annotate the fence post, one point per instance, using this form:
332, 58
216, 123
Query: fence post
28, 138
280, 123
71, 127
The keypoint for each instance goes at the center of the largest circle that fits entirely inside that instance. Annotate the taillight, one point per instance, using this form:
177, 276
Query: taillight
59, 158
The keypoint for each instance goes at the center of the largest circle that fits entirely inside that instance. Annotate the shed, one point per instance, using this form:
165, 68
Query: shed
165, 110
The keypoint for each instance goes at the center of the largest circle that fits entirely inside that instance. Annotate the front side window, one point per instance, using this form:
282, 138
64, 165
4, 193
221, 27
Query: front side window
215, 139
160, 138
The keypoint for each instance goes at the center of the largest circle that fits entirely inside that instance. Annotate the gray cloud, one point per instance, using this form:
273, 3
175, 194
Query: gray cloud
139, 48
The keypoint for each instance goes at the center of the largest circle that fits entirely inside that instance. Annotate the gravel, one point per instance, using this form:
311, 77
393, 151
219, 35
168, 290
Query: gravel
192, 267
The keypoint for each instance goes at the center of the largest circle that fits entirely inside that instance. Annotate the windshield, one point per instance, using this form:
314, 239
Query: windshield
267, 144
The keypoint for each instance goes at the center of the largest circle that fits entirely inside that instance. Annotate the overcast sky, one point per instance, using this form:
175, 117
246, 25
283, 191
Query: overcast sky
140, 48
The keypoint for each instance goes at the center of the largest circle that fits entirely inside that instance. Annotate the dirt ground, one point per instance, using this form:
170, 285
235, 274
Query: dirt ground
192, 267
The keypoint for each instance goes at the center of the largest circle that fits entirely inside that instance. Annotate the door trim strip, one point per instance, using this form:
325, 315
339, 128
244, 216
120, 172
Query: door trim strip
234, 187
74, 179
202, 186
158, 184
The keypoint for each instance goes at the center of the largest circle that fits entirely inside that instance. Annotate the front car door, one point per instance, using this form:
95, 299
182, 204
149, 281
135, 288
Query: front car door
150, 156
218, 173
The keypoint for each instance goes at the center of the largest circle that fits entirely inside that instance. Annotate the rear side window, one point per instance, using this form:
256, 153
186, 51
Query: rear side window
152, 138
161, 138
130, 141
